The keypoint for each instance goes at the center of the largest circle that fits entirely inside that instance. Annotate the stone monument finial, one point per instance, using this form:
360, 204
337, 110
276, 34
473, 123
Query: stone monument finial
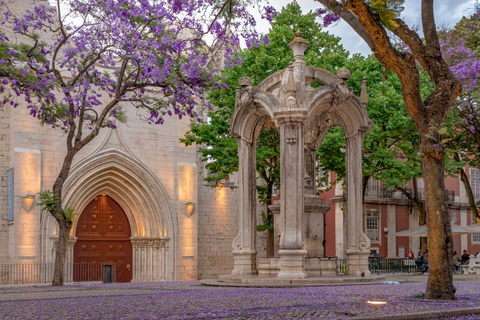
245, 82
298, 46
344, 74
363, 93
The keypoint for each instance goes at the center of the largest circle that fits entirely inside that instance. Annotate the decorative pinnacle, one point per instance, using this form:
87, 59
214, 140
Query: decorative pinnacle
290, 87
298, 46
363, 93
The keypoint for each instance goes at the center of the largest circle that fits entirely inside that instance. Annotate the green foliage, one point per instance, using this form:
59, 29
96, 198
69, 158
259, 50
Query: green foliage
391, 147
419, 295
48, 200
266, 224
388, 10
217, 147
69, 214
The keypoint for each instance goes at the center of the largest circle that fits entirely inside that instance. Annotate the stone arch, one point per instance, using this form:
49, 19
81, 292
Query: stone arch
287, 97
143, 198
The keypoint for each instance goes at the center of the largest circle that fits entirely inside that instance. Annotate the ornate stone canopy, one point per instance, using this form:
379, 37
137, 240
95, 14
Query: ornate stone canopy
302, 115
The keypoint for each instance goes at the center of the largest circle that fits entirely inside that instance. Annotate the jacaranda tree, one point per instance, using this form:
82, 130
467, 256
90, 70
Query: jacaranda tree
461, 50
374, 22
94, 58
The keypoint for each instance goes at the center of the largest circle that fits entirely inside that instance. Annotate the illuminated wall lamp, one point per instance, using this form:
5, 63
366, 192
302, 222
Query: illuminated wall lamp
190, 207
28, 200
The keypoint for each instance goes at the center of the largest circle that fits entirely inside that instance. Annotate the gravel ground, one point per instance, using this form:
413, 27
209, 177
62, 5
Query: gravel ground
190, 300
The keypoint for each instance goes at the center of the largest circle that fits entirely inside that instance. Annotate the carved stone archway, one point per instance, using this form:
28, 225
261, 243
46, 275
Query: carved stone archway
302, 115
118, 174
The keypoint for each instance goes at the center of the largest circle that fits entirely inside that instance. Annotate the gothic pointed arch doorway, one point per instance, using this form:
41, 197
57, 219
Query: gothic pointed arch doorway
103, 236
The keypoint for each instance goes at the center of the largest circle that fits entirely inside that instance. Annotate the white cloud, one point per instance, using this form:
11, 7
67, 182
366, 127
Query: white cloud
447, 13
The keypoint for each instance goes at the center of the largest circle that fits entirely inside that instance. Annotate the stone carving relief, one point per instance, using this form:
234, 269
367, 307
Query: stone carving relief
364, 242
237, 242
149, 243
290, 134
244, 95
322, 122
342, 91
307, 181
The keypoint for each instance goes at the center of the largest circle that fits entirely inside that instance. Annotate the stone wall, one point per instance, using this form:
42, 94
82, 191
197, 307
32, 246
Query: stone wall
4, 166
217, 226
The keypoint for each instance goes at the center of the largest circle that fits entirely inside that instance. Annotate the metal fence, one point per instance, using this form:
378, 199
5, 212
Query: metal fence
341, 266
16, 273
380, 265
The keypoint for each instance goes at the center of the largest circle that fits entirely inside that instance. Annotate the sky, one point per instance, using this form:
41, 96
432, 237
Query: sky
447, 13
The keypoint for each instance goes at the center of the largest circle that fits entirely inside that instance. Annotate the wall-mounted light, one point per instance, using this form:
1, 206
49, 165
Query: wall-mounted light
190, 207
28, 200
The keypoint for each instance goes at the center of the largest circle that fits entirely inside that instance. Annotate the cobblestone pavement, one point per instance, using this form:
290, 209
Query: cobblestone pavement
190, 300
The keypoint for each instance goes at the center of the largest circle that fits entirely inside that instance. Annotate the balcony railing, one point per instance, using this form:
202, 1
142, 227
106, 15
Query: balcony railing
450, 194
384, 193
394, 194
23, 273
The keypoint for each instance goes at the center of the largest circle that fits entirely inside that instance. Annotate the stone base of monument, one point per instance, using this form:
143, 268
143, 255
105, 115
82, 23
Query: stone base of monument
320, 272
314, 267
273, 281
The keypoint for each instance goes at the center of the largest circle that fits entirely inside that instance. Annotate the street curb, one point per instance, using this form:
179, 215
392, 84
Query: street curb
444, 314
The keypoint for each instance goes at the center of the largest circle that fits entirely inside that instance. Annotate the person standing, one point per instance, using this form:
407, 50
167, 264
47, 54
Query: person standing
410, 254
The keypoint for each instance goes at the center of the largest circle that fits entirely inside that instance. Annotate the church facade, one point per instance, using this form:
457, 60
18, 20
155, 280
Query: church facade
139, 193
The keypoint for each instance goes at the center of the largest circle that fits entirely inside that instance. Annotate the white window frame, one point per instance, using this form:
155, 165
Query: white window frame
475, 236
475, 183
379, 226
319, 173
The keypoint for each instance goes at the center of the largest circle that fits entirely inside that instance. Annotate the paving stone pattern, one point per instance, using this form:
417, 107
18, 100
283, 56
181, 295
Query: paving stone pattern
190, 300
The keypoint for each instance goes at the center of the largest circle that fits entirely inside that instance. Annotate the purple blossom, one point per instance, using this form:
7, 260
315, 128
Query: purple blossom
330, 18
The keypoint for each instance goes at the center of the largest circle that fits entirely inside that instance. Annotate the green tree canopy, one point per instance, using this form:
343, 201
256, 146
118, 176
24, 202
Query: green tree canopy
217, 147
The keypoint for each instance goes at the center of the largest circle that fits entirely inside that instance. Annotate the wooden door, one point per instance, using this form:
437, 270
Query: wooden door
103, 237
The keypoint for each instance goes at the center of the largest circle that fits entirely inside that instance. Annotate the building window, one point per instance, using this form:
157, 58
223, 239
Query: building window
372, 226
475, 236
323, 177
373, 188
475, 183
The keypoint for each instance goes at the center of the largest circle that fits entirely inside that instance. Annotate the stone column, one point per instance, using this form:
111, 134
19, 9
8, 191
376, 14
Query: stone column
392, 228
244, 250
310, 174
356, 242
292, 252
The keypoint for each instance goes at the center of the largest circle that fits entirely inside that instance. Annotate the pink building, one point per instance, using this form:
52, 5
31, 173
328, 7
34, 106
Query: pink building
389, 211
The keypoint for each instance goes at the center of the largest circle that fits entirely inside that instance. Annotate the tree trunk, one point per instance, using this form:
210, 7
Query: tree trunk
468, 188
64, 230
429, 116
61, 253
439, 232
364, 186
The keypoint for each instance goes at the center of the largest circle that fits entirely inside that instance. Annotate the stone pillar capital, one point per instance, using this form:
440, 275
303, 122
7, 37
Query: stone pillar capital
285, 117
